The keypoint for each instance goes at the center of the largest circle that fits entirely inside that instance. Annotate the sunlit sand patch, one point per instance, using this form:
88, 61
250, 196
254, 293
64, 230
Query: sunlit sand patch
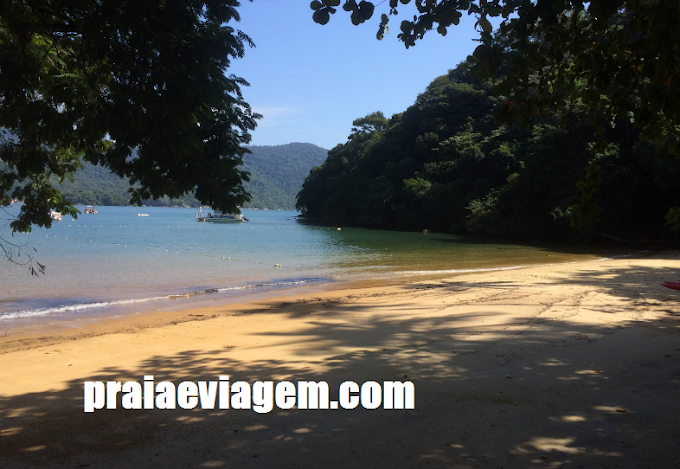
611, 409
12, 413
569, 418
553, 362
10, 431
35, 448
254, 428
186, 419
546, 444
588, 372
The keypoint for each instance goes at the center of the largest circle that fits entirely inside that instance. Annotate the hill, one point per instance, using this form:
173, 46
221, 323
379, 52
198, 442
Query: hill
277, 174
446, 164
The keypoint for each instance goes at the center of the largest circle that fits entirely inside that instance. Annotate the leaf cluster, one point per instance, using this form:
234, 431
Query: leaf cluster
619, 57
139, 87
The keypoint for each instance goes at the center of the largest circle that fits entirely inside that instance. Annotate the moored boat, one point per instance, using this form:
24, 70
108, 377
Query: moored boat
219, 217
56, 215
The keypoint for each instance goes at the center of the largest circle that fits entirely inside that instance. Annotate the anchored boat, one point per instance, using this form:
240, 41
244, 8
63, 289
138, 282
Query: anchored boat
219, 217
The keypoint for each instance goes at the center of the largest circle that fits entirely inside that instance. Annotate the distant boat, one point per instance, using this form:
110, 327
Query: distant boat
90, 209
56, 215
220, 217
142, 214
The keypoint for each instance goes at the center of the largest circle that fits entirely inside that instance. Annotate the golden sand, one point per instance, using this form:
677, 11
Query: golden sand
569, 365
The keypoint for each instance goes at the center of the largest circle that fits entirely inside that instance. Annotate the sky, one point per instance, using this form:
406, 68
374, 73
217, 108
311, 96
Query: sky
311, 81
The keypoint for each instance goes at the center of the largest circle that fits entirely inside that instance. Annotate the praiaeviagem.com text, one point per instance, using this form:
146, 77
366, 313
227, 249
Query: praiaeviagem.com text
261, 396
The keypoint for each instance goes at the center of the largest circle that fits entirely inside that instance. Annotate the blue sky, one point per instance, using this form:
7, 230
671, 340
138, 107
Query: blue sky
311, 81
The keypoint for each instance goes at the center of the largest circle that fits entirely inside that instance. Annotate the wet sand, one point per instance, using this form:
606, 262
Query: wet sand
571, 365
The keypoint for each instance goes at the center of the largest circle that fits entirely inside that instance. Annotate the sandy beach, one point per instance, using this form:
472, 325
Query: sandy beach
568, 365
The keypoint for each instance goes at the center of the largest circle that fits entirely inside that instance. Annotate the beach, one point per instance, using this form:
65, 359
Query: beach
562, 365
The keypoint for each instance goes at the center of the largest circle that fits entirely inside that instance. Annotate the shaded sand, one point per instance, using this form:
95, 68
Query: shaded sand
572, 365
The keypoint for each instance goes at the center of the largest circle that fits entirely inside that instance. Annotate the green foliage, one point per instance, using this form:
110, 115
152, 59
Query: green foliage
585, 212
673, 218
138, 87
618, 57
421, 168
276, 176
445, 164
277, 173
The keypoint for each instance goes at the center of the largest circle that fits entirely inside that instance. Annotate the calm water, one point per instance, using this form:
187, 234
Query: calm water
116, 262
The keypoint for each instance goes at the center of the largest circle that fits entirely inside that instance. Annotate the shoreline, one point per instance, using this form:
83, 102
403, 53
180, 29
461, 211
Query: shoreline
120, 310
565, 365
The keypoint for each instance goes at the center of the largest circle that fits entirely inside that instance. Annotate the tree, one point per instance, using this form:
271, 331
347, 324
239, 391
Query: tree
445, 164
373, 122
620, 56
617, 57
138, 86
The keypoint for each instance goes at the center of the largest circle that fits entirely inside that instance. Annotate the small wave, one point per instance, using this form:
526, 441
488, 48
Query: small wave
276, 283
73, 308
81, 307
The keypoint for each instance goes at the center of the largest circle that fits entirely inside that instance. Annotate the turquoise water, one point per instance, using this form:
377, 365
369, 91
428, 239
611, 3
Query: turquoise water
116, 262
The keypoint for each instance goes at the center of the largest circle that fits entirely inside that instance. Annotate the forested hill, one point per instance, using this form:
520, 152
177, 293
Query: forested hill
277, 173
445, 164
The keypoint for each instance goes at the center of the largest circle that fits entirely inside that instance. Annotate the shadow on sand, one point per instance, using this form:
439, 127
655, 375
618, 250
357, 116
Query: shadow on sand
533, 393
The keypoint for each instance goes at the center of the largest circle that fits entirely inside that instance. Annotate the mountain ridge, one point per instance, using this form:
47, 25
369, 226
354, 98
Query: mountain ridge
277, 174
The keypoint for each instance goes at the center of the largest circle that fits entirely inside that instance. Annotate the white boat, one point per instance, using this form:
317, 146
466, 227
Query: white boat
56, 215
142, 214
220, 217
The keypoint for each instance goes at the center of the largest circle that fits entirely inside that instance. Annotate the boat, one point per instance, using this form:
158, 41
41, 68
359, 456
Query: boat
56, 215
142, 214
90, 209
219, 217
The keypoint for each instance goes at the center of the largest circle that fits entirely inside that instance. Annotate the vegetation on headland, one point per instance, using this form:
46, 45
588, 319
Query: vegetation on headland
276, 176
445, 164
620, 57
549, 60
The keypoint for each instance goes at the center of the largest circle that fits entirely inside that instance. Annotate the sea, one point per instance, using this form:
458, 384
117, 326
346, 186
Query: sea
128, 260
